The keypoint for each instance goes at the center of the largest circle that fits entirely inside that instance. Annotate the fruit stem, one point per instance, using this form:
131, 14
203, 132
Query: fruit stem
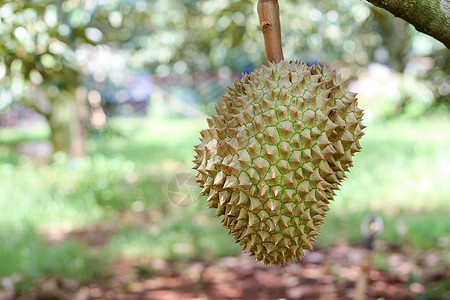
269, 20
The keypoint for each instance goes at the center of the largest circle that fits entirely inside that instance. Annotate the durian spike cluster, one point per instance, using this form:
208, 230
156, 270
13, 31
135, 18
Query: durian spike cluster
274, 154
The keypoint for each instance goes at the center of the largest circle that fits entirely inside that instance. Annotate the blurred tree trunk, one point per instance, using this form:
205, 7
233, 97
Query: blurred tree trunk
80, 120
67, 115
396, 40
67, 121
431, 17
398, 44
59, 121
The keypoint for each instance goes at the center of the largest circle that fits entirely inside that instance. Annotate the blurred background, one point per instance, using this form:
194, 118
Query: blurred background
102, 101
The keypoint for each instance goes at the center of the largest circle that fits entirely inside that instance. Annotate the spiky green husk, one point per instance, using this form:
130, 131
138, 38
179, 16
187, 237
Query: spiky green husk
277, 149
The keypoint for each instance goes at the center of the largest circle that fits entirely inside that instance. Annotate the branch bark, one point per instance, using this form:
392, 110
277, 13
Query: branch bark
269, 20
431, 17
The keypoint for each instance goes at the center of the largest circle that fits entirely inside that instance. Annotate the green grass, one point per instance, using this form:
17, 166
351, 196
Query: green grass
14, 136
401, 174
26, 254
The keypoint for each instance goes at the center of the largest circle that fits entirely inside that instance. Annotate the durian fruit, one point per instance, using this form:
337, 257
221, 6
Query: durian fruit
274, 154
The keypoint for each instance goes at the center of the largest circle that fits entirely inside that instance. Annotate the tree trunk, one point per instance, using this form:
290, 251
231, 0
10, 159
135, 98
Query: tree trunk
431, 17
79, 122
397, 41
61, 120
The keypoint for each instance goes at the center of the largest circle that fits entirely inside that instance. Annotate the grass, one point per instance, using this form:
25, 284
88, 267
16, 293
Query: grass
402, 175
14, 136
27, 255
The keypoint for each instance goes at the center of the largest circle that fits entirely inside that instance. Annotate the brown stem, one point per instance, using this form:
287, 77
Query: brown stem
269, 20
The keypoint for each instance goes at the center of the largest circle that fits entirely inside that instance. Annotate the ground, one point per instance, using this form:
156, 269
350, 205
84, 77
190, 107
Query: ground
322, 274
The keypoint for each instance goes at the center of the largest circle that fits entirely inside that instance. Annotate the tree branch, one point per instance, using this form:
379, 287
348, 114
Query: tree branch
431, 17
36, 108
269, 20
31, 99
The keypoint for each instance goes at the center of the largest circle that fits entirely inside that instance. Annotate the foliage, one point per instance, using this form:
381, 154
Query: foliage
54, 46
40, 39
